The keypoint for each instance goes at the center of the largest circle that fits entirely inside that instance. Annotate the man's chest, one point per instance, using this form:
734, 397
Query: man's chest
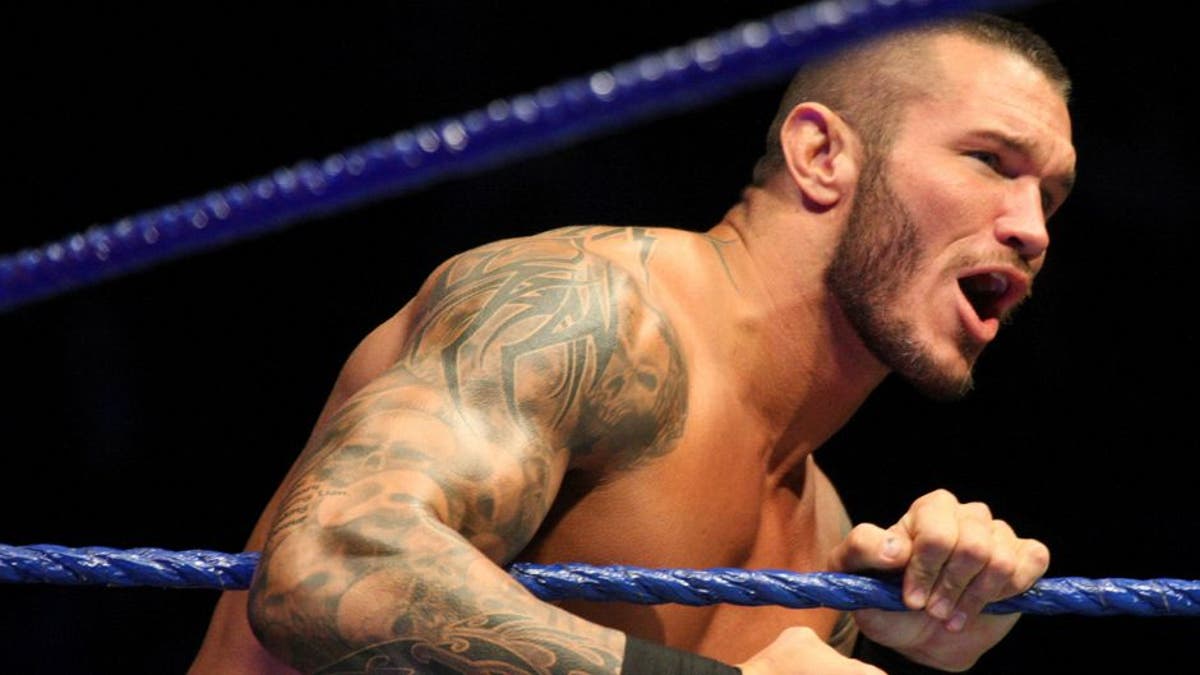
696, 511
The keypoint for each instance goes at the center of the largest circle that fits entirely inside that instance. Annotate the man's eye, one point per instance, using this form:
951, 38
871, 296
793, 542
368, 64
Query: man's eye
991, 159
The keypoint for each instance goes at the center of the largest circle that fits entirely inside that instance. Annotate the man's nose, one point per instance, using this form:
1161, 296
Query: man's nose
1023, 224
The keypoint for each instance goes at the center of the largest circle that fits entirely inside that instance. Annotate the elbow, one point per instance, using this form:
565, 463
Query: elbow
320, 596
282, 613
314, 601
264, 617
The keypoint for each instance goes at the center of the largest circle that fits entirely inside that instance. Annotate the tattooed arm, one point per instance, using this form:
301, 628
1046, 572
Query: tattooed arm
523, 360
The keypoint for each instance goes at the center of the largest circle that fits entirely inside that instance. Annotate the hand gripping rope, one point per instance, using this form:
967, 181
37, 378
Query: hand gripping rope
46, 563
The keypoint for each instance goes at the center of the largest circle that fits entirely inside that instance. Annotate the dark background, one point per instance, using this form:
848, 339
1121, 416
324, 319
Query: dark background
162, 409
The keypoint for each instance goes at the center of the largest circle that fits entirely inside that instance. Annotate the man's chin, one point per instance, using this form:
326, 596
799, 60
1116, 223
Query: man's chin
939, 380
945, 377
942, 387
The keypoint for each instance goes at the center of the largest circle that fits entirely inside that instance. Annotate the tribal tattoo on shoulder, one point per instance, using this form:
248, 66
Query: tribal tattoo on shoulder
577, 347
526, 358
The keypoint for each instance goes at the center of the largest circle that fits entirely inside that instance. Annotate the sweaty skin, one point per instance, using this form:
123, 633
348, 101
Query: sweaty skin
653, 397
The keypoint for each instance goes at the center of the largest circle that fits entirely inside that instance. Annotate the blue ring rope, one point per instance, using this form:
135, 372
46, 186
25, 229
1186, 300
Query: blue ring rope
650, 86
48, 563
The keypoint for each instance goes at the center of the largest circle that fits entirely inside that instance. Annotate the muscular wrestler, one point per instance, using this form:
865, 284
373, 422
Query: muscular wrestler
654, 397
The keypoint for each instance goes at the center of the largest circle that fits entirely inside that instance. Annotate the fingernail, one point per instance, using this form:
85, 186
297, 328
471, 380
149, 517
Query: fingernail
956, 622
941, 609
916, 598
891, 547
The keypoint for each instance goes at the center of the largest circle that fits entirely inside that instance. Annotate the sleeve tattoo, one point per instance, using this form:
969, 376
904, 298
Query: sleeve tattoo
526, 358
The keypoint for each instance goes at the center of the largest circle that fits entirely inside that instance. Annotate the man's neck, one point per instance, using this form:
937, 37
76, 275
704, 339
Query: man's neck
809, 369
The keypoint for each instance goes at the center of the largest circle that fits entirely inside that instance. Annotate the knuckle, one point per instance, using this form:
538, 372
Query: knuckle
978, 510
938, 496
934, 543
973, 553
1039, 554
1003, 564
928, 566
932, 525
944, 495
861, 535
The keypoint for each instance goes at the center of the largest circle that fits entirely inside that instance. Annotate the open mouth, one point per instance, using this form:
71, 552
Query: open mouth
988, 293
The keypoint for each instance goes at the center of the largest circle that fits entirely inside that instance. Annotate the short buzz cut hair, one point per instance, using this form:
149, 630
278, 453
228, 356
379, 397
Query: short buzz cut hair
870, 84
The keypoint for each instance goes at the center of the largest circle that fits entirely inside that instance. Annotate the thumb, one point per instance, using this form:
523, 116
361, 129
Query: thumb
870, 547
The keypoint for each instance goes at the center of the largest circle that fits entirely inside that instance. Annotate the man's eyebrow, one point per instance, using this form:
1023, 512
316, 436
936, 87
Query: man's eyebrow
1028, 148
1015, 143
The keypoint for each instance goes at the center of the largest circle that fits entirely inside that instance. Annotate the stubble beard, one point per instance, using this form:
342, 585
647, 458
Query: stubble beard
874, 263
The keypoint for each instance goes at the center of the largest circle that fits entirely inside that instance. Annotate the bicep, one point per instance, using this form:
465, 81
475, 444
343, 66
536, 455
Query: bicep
402, 443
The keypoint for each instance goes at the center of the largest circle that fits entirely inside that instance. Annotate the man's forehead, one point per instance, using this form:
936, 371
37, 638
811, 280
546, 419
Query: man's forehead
964, 57
978, 77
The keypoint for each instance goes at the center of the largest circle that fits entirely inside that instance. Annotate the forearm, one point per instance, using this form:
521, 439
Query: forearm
430, 603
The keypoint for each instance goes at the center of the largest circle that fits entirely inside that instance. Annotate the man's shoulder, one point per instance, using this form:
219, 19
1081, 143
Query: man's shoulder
610, 242
566, 272
562, 328
636, 254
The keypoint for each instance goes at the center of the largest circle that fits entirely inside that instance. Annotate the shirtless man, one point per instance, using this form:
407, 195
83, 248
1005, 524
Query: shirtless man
654, 397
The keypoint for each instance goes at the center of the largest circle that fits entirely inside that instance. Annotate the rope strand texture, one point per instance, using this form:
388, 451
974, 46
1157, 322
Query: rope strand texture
47, 563
554, 116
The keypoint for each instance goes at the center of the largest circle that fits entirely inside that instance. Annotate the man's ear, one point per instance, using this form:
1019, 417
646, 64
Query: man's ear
821, 154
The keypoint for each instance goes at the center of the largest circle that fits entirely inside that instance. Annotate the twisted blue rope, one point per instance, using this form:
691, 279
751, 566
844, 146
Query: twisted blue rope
47, 563
553, 116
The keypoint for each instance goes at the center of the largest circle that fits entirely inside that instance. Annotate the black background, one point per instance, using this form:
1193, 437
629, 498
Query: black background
161, 409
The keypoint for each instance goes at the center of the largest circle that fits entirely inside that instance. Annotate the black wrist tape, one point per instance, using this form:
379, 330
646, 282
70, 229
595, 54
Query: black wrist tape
647, 658
890, 661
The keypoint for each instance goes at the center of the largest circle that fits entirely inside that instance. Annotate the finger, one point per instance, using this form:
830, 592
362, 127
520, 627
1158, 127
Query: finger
992, 582
972, 551
932, 525
1033, 559
870, 547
